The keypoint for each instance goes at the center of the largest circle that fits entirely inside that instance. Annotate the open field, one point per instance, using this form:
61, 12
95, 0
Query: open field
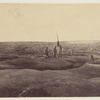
31, 75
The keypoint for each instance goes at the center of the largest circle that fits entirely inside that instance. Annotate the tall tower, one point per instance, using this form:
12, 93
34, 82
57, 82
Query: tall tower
58, 44
59, 48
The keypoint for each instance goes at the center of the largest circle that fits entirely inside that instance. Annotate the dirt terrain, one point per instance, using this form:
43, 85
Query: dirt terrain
53, 77
25, 72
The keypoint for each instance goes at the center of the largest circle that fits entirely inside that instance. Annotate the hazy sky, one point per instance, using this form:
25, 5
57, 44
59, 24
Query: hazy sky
41, 22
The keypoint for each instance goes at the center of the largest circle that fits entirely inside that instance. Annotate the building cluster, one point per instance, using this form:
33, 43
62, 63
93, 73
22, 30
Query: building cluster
57, 50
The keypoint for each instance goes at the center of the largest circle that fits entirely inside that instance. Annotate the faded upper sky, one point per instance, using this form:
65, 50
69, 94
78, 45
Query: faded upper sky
41, 22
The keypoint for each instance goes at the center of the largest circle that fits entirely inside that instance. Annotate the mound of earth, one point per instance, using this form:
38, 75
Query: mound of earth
41, 77
41, 63
78, 82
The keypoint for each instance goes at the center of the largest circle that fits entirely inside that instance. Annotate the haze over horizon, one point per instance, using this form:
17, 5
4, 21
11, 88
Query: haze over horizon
41, 22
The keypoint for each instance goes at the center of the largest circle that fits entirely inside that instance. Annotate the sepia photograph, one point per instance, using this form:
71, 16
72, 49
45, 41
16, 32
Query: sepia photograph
49, 50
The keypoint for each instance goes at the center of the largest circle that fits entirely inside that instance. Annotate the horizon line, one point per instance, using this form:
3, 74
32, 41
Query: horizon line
52, 41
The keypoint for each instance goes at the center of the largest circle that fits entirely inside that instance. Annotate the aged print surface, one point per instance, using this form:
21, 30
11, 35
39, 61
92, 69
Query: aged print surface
49, 50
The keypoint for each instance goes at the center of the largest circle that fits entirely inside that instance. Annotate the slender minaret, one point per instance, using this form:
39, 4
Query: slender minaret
59, 48
58, 44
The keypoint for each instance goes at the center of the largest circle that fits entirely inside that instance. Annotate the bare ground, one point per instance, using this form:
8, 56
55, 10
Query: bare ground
40, 77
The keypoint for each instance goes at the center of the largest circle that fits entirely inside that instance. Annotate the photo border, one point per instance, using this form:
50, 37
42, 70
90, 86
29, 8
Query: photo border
53, 2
